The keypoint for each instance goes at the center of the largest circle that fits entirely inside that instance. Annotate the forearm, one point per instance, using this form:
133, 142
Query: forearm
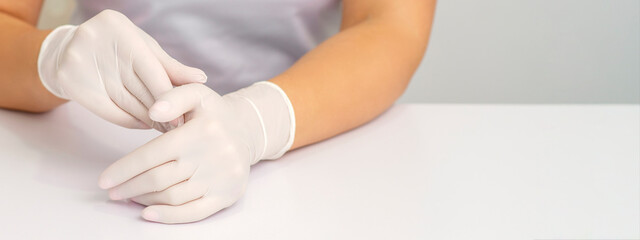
20, 86
354, 76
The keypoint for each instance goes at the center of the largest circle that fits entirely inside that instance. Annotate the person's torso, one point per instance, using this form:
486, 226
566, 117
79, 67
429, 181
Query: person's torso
236, 42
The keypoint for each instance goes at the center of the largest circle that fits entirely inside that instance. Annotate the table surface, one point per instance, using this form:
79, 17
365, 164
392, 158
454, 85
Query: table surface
419, 171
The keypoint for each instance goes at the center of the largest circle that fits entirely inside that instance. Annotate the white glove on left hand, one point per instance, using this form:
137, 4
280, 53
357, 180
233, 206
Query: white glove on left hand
202, 167
113, 68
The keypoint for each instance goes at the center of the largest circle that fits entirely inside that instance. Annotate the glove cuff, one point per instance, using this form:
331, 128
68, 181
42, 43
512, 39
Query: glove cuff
49, 57
276, 115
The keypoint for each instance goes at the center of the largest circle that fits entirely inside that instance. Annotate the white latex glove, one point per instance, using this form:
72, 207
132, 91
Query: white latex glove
202, 167
111, 67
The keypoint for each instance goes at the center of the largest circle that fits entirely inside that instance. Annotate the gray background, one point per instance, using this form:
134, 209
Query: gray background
517, 51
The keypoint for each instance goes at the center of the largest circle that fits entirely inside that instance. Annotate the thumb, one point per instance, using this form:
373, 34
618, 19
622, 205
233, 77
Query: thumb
178, 101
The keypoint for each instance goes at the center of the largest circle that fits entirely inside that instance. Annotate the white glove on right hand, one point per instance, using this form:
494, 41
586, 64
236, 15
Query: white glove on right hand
113, 68
203, 166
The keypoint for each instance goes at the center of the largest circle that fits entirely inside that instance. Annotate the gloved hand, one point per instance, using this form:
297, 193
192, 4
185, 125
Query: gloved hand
111, 67
202, 167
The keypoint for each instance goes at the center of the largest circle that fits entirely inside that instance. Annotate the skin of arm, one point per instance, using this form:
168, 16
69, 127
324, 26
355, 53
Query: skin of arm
343, 83
357, 74
20, 86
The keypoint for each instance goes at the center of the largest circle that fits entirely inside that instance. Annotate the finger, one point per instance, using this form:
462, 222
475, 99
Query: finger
154, 180
95, 98
149, 70
105, 108
136, 87
127, 102
189, 212
158, 151
178, 101
178, 194
178, 73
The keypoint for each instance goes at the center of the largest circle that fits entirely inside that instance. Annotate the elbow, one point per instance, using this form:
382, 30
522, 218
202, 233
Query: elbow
30, 109
401, 88
36, 107
44, 106
40, 109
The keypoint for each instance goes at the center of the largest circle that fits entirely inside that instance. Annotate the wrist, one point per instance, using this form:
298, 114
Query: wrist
43, 99
49, 56
275, 115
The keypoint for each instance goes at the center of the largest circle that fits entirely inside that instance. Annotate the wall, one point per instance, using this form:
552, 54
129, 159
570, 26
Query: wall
506, 51
527, 51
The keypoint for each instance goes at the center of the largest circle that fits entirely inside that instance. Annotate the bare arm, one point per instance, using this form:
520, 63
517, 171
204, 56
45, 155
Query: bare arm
20, 86
357, 74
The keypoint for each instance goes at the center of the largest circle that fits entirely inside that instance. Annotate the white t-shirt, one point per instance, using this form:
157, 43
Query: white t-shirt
236, 42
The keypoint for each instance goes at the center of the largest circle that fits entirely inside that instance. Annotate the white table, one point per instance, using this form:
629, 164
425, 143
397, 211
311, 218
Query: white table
416, 172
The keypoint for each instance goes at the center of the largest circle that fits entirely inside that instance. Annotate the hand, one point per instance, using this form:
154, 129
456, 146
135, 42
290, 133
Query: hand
202, 167
111, 67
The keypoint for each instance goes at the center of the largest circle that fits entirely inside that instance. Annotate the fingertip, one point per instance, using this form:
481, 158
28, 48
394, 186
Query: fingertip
158, 109
201, 78
113, 195
161, 106
198, 75
150, 215
182, 74
104, 183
